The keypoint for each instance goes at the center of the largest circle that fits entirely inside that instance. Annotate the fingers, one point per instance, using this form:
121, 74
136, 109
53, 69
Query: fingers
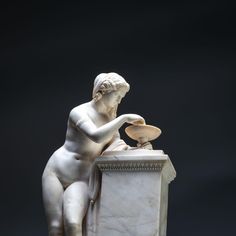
138, 122
135, 119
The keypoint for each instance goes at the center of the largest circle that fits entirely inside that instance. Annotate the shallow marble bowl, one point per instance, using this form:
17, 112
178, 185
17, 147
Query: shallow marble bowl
143, 133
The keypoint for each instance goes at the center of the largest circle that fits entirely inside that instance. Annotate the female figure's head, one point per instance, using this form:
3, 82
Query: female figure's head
110, 88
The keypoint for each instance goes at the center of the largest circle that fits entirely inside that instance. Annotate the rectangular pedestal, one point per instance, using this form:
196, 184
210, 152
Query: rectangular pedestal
134, 195
131, 204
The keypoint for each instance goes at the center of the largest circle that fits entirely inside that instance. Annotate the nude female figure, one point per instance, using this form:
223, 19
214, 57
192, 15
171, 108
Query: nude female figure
92, 127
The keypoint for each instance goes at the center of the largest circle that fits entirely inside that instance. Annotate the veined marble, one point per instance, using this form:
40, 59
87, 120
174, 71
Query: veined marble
134, 193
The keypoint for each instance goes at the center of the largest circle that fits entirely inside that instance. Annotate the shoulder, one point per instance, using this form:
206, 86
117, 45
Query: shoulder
79, 112
80, 109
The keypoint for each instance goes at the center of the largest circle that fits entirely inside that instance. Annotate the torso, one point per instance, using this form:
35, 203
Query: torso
73, 161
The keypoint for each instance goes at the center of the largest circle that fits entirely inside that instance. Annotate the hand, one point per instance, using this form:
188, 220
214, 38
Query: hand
134, 119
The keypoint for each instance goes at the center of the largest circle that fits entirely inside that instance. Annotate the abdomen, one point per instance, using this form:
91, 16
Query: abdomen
68, 167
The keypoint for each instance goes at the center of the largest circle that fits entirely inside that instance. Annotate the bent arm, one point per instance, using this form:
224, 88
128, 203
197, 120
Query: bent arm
97, 134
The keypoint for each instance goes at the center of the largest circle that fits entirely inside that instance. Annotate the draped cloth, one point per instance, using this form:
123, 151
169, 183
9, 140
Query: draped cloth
91, 220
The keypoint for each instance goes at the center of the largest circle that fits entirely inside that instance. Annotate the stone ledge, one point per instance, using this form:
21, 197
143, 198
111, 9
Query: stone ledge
137, 161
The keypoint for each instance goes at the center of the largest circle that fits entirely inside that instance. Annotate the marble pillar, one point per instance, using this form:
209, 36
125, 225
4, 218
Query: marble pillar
134, 193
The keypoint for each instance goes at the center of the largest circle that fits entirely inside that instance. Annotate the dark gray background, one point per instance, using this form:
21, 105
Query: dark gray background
179, 58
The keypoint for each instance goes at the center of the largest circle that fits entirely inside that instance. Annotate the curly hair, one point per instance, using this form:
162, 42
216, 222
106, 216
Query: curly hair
108, 82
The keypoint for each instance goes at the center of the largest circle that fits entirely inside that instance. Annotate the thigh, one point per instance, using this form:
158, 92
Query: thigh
75, 202
52, 191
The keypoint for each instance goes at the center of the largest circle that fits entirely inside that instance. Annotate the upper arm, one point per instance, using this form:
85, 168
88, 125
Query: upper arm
83, 122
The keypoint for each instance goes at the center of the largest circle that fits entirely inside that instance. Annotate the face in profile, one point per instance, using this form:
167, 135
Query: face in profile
113, 98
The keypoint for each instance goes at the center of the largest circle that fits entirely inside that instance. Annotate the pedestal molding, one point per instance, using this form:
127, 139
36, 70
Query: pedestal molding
147, 165
137, 161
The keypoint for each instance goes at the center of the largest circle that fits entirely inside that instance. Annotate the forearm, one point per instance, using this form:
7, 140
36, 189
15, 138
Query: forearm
108, 130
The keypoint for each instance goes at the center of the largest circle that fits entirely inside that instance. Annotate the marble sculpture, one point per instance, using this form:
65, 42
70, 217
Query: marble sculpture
93, 128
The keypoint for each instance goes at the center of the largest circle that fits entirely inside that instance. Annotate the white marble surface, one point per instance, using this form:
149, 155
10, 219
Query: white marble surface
127, 207
93, 126
134, 200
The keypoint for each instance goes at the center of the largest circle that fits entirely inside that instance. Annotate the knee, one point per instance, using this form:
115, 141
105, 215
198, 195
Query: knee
73, 228
55, 229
